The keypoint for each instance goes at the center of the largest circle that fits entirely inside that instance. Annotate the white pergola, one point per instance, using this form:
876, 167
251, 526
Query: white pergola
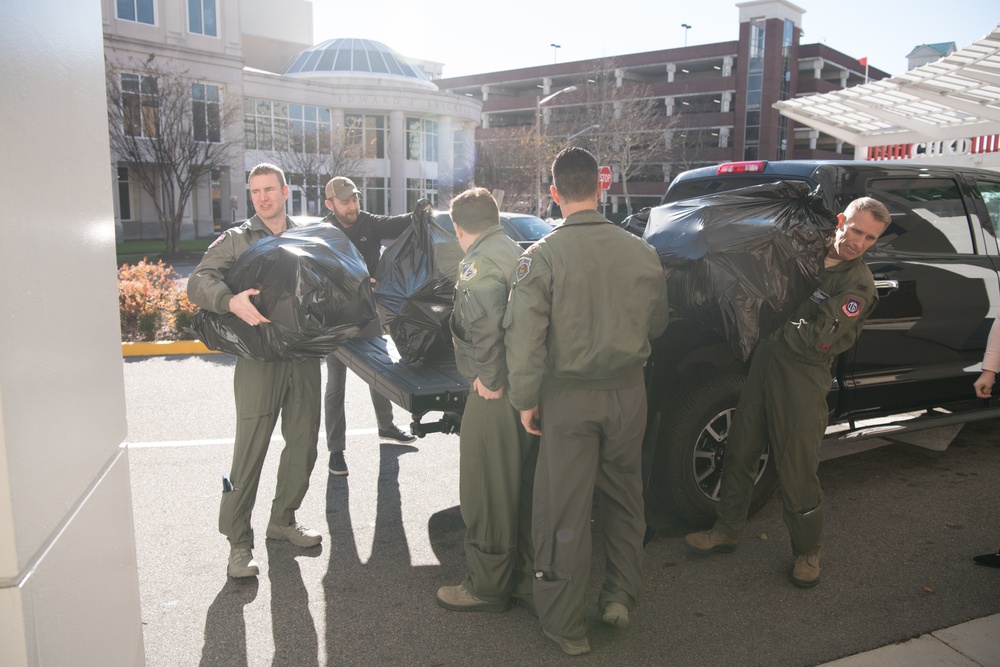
956, 97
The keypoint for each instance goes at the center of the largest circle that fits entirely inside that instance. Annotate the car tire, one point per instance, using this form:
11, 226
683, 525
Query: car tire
687, 467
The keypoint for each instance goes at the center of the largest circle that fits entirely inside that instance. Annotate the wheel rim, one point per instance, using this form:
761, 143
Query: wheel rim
709, 451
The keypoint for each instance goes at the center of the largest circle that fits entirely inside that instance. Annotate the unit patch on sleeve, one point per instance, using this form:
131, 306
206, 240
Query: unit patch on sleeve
217, 241
523, 266
468, 271
819, 296
852, 307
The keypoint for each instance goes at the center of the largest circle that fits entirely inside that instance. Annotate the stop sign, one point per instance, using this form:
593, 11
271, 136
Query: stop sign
604, 175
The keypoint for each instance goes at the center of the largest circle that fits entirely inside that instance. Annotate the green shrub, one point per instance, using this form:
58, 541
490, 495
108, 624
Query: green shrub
151, 303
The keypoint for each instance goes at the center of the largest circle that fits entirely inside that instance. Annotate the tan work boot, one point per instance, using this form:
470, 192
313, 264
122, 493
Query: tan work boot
616, 614
570, 646
709, 541
241, 563
805, 574
297, 534
460, 598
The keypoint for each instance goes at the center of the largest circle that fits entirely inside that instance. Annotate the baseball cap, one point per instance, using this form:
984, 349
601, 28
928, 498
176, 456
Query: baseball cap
341, 188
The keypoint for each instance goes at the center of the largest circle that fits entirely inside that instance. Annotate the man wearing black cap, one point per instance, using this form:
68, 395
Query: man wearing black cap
366, 232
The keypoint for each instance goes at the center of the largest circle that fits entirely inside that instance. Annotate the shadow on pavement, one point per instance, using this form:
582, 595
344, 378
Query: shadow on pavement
225, 628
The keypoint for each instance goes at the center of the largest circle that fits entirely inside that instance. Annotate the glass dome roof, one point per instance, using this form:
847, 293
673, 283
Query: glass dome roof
359, 56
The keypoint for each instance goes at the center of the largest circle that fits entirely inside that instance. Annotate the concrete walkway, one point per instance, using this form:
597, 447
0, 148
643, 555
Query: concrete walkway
966, 645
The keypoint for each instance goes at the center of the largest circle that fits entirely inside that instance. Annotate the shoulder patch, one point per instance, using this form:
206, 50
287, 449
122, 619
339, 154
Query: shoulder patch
852, 307
467, 271
523, 266
217, 241
819, 296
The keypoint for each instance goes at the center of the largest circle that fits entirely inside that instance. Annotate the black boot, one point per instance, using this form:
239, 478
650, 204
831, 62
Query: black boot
991, 560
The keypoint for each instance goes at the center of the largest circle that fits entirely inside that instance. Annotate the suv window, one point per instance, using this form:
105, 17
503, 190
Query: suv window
990, 193
928, 216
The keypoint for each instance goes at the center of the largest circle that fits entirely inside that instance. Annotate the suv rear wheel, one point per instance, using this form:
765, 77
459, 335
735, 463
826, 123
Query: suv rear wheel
687, 468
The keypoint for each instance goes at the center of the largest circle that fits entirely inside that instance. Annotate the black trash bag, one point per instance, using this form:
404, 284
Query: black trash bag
314, 287
636, 223
415, 288
743, 260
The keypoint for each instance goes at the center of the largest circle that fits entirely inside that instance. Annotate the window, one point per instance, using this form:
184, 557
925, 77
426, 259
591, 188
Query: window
205, 112
140, 11
140, 105
376, 199
278, 126
309, 129
990, 193
755, 84
421, 139
375, 136
418, 188
928, 216
215, 176
201, 17
124, 195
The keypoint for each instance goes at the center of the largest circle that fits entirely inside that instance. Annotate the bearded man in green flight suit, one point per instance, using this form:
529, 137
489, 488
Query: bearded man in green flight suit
784, 399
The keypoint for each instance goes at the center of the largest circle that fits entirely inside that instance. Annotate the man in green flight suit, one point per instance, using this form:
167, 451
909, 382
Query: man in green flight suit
262, 389
784, 399
497, 457
585, 303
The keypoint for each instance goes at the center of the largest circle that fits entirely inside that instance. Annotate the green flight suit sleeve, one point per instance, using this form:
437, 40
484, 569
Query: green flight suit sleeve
834, 326
483, 302
527, 323
206, 286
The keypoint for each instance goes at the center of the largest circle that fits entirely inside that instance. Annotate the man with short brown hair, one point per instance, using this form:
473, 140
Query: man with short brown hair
585, 303
497, 462
262, 389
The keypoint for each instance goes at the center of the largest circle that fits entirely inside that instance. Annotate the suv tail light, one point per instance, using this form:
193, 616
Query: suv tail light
741, 167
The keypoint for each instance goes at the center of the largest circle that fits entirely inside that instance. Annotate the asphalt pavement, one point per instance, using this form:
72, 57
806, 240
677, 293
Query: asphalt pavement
903, 523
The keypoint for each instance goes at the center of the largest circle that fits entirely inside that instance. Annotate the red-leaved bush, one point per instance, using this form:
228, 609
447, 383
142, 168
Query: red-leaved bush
151, 303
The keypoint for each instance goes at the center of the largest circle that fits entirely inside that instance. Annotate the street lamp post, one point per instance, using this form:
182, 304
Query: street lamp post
686, 28
577, 134
539, 101
555, 51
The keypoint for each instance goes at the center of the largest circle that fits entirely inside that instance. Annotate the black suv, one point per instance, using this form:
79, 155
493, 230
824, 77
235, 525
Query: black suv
935, 269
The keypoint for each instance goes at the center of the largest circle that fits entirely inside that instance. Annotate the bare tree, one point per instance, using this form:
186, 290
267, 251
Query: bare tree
621, 121
510, 159
171, 130
336, 155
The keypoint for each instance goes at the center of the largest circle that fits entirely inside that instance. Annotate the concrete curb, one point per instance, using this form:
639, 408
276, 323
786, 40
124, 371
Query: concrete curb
165, 347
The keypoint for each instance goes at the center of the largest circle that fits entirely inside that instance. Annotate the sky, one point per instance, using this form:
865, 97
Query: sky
475, 37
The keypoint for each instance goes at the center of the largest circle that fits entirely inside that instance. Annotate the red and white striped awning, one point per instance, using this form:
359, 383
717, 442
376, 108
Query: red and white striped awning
955, 97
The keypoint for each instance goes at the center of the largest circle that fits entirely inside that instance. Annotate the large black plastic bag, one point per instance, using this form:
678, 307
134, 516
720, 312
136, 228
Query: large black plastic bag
415, 289
314, 287
743, 260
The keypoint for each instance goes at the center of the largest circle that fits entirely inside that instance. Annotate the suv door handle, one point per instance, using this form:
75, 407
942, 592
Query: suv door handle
884, 287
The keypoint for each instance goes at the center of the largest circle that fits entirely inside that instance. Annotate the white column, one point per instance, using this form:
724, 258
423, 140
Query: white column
69, 585
671, 71
727, 66
397, 162
446, 158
